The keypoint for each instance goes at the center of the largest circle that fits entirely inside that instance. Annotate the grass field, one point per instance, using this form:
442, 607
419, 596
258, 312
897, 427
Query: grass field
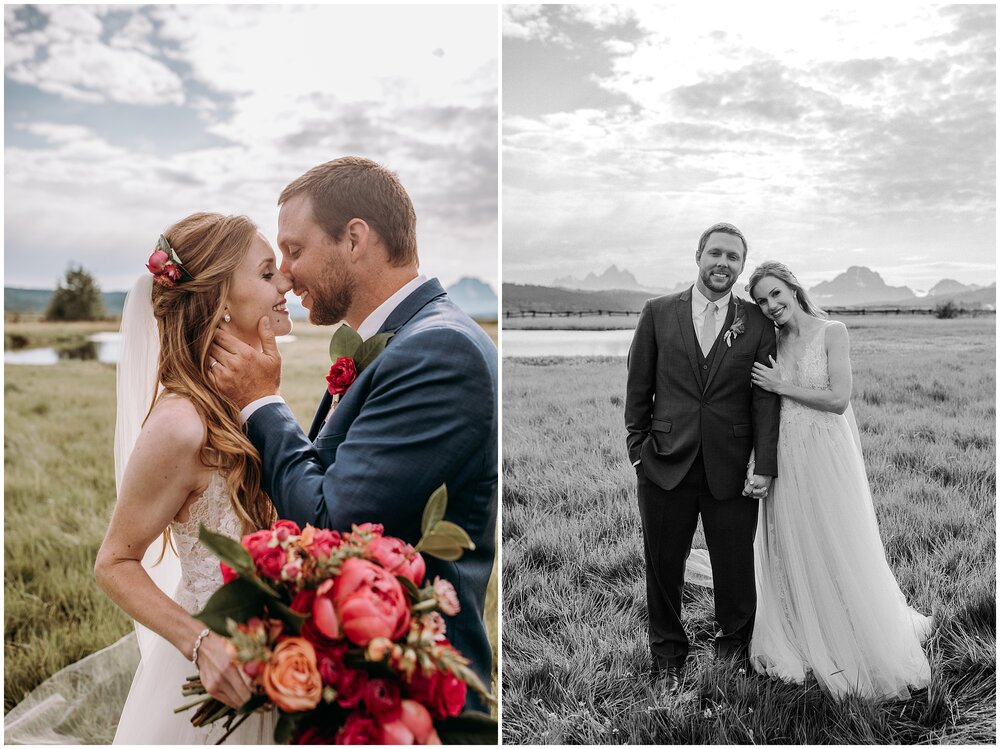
575, 656
59, 490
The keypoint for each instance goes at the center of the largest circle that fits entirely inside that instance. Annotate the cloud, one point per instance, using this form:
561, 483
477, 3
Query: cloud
67, 57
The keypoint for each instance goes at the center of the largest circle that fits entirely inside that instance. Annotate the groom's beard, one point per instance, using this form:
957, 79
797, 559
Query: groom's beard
711, 283
333, 298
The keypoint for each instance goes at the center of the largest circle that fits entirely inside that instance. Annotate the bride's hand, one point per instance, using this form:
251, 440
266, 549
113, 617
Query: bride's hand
220, 677
767, 378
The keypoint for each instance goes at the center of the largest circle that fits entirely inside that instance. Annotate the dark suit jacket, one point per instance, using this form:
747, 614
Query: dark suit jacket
422, 414
676, 404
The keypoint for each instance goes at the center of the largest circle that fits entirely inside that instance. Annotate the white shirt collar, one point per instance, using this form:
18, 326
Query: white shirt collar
380, 314
700, 301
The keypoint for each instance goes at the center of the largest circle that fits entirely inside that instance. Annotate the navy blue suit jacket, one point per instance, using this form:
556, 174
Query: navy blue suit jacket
422, 414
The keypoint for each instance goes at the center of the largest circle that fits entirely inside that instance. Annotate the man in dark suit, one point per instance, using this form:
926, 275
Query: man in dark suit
692, 420
422, 414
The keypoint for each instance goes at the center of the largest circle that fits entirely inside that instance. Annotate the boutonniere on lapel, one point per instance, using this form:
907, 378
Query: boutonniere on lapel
739, 323
350, 356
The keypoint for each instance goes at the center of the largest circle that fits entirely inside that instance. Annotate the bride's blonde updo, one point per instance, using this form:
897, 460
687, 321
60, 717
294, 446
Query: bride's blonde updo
210, 246
774, 269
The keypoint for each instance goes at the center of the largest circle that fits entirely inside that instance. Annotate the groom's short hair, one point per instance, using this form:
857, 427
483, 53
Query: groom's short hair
355, 187
723, 228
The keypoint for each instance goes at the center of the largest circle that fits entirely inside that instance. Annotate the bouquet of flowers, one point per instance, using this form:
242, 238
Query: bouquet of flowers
343, 636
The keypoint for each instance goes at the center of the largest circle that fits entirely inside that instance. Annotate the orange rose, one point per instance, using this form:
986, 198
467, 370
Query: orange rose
291, 678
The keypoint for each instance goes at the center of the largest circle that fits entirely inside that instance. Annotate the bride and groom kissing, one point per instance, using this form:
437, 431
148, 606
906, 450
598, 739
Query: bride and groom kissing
740, 412
203, 436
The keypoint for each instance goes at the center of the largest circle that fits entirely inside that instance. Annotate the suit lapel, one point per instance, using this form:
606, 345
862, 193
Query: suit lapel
410, 306
686, 326
321, 412
721, 349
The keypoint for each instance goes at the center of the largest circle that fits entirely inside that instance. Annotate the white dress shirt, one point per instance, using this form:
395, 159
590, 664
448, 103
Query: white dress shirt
699, 303
369, 327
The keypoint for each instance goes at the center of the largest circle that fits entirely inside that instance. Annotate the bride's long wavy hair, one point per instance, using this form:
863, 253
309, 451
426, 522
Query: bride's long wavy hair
783, 273
210, 246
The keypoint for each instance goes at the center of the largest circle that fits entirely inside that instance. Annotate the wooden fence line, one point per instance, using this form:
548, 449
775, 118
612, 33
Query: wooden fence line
526, 313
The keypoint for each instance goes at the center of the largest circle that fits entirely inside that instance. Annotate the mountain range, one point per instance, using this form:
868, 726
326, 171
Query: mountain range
857, 285
474, 296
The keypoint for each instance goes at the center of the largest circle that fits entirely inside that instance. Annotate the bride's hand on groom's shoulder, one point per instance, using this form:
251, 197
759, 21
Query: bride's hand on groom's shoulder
239, 371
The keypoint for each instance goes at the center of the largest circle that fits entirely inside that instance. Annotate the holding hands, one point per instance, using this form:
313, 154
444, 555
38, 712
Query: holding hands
767, 378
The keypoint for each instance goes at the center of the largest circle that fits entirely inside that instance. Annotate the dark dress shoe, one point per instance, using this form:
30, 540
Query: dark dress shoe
672, 679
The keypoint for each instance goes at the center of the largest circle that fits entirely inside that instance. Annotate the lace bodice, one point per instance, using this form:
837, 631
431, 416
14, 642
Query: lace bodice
200, 576
810, 371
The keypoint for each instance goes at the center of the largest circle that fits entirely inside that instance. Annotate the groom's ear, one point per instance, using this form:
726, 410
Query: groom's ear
360, 235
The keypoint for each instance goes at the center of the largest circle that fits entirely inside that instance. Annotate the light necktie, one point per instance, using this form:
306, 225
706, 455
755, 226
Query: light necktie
708, 328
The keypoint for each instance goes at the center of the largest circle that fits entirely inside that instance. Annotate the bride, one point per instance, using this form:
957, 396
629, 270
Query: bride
827, 603
188, 464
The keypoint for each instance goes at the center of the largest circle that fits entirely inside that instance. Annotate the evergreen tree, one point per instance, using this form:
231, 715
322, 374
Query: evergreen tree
79, 299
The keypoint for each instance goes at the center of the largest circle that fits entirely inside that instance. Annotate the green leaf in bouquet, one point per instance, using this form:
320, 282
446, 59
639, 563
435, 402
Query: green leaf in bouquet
227, 549
410, 588
238, 600
469, 676
368, 350
285, 728
468, 727
435, 508
445, 540
345, 342
292, 619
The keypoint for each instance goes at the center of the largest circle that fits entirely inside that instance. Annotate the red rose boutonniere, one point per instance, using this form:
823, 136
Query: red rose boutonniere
739, 324
350, 356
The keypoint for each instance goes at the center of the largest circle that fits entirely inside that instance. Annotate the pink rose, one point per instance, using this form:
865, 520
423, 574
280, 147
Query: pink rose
398, 557
270, 562
351, 687
358, 729
442, 692
319, 542
156, 261
324, 612
228, 573
413, 726
342, 375
369, 602
256, 542
382, 698
285, 528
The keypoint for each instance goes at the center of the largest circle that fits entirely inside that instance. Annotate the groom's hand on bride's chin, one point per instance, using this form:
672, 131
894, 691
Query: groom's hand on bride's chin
242, 373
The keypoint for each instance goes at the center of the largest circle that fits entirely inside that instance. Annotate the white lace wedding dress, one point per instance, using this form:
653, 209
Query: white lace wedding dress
148, 716
828, 606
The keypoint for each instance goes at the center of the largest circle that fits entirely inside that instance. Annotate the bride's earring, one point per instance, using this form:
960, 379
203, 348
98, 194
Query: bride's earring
227, 317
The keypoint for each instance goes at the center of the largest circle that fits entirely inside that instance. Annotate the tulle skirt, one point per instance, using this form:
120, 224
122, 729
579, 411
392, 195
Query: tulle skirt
148, 716
828, 606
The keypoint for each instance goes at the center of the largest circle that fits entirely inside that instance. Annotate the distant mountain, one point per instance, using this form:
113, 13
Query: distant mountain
612, 278
950, 286
475, 297
35, 301
517, 297
977, 296
858, 285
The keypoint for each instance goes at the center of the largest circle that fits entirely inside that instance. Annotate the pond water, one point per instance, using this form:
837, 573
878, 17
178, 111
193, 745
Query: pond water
102, 347
566, 342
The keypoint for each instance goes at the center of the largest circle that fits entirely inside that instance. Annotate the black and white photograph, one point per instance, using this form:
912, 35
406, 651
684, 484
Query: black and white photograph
251, 390
748, 361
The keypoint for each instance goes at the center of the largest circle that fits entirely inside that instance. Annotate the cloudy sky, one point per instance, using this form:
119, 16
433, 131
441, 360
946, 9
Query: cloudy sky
855, 136
121, 120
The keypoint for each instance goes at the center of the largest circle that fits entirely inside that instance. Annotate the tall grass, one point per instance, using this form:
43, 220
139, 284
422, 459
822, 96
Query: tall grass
574, 638
59, 490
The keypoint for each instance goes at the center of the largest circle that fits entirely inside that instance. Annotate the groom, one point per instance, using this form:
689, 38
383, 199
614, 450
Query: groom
422, 414
692, 420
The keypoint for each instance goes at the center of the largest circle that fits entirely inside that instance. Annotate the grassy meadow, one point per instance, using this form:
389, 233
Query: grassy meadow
59, 490
575, 654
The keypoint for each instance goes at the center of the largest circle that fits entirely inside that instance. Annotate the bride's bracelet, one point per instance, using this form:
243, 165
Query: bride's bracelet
197, 644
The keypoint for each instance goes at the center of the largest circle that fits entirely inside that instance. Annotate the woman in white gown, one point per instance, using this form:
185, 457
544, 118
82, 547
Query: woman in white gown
188, 464
827, 603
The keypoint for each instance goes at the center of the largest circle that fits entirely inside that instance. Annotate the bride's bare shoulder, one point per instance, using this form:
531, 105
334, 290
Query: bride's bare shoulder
176, 422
